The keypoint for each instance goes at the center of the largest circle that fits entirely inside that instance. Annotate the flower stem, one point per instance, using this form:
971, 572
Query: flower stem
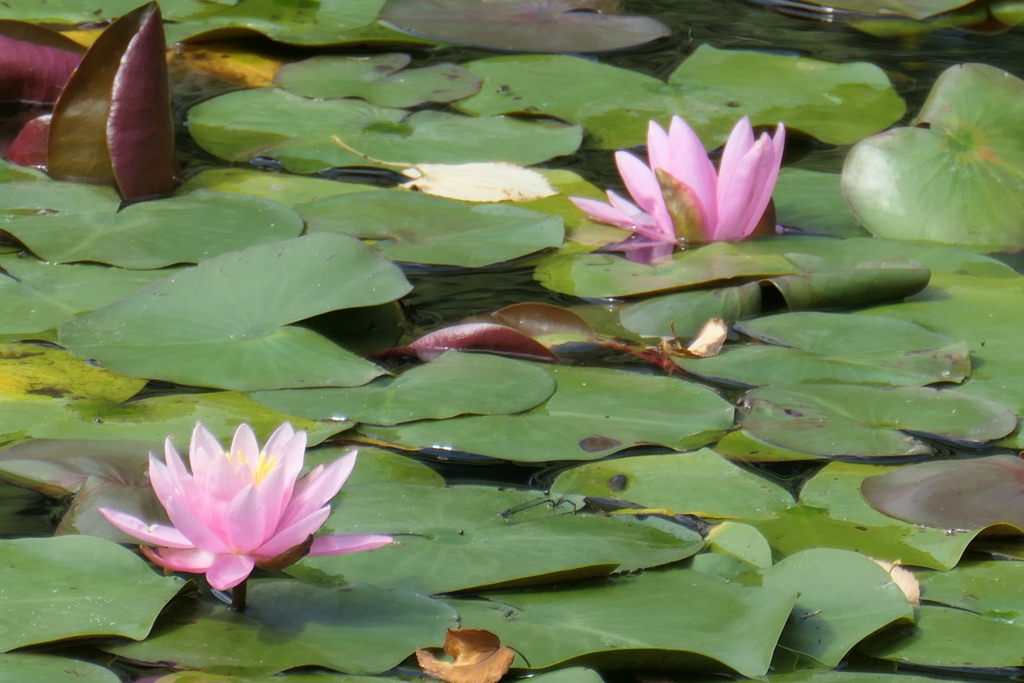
238, 596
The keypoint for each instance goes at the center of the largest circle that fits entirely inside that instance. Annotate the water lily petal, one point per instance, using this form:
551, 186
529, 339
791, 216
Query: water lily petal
740, 141
759, 206
229, 570
294, 534
194, 529
317, 489
203, 450
602, 213
244, 524
352, 543
745, 188
194, 561
157, 534
275, 491
689, 163
245, 453
644, 189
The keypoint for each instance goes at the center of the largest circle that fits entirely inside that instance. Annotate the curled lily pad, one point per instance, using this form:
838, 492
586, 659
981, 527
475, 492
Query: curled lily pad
478, 336
862, 421
67, 222
36, 62
419, 228
834, 347
956, 177
684, 313
380, 79
535, 26
453, 384
953, 494
297, 132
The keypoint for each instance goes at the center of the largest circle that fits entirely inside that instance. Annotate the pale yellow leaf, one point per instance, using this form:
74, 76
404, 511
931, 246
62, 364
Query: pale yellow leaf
479, 182
710, 339
903, 578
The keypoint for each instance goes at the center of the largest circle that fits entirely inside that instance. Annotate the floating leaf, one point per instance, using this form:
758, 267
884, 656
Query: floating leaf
29, 147
36, 62
742, 542
837, 103
489, 337
916, 9
30, 372
283, 188
735, 625
866, 284
831, 347
844, 598
594, 412
418, 228
39, 667
813, 202
380, 79
112, 122
956, 177
468, 537
952, 494
453, 384
66, 222
987, 588
74, 586
485, 182
857, 421
549, 324
297, 132
686, 312
479, 657
903, 578
538, 26
86, 11
358, 629
712, 486
225, 323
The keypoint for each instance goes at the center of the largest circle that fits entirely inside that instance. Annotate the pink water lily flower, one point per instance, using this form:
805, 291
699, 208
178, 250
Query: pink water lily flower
241, 508
682, 198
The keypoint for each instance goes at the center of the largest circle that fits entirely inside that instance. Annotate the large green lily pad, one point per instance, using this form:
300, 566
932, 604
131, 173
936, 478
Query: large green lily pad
75, 586
958, 177
862, 421
813, 202
64, 222
379, 79
225, 322
837, 103
988, 588
722, 623
453, 384
297, 132
833, 347
832, 513
420, 228
40, 668
283, 188
149, 419
701, 483
594, 412
357, 629
844, 598
468, 537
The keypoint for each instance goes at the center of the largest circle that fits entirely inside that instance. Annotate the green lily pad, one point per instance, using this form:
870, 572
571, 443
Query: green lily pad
813, 202
845, 676
378, 466
469, 537
836, 103
297, 132
149, 419
86, 11
742, 542
960, 179
62, 222
866, 284
283, 188
379, 79
420, 228
953, 638
833, 347
594, 412
454, 384
701, 483
723, 624
11, 173
597, 276
991, 589
915, 9
31, 372
18, 518
39, 668
75, 586
224, 323
686, 312
856, 421
832, 513
844, 598
358, 629
40, 296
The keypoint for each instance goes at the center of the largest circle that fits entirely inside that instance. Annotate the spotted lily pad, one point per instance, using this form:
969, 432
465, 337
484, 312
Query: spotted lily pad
464, 537
594, 412
535, 26
225, 323
28, 372
837, 103
957, 177
64, 222
833, 347
862, 421
296, 131
453, 384
379, 79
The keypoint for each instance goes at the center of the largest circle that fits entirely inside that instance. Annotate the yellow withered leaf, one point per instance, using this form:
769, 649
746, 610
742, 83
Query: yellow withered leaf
478, 655
479, 182
903, 578
710, 339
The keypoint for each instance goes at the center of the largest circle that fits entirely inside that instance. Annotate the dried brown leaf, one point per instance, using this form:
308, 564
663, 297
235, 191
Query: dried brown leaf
710, 339
478, 657
903, 578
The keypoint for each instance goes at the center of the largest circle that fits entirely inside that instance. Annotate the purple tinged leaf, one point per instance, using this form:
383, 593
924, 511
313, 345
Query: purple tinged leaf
478, 337
35, 63
29, 147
